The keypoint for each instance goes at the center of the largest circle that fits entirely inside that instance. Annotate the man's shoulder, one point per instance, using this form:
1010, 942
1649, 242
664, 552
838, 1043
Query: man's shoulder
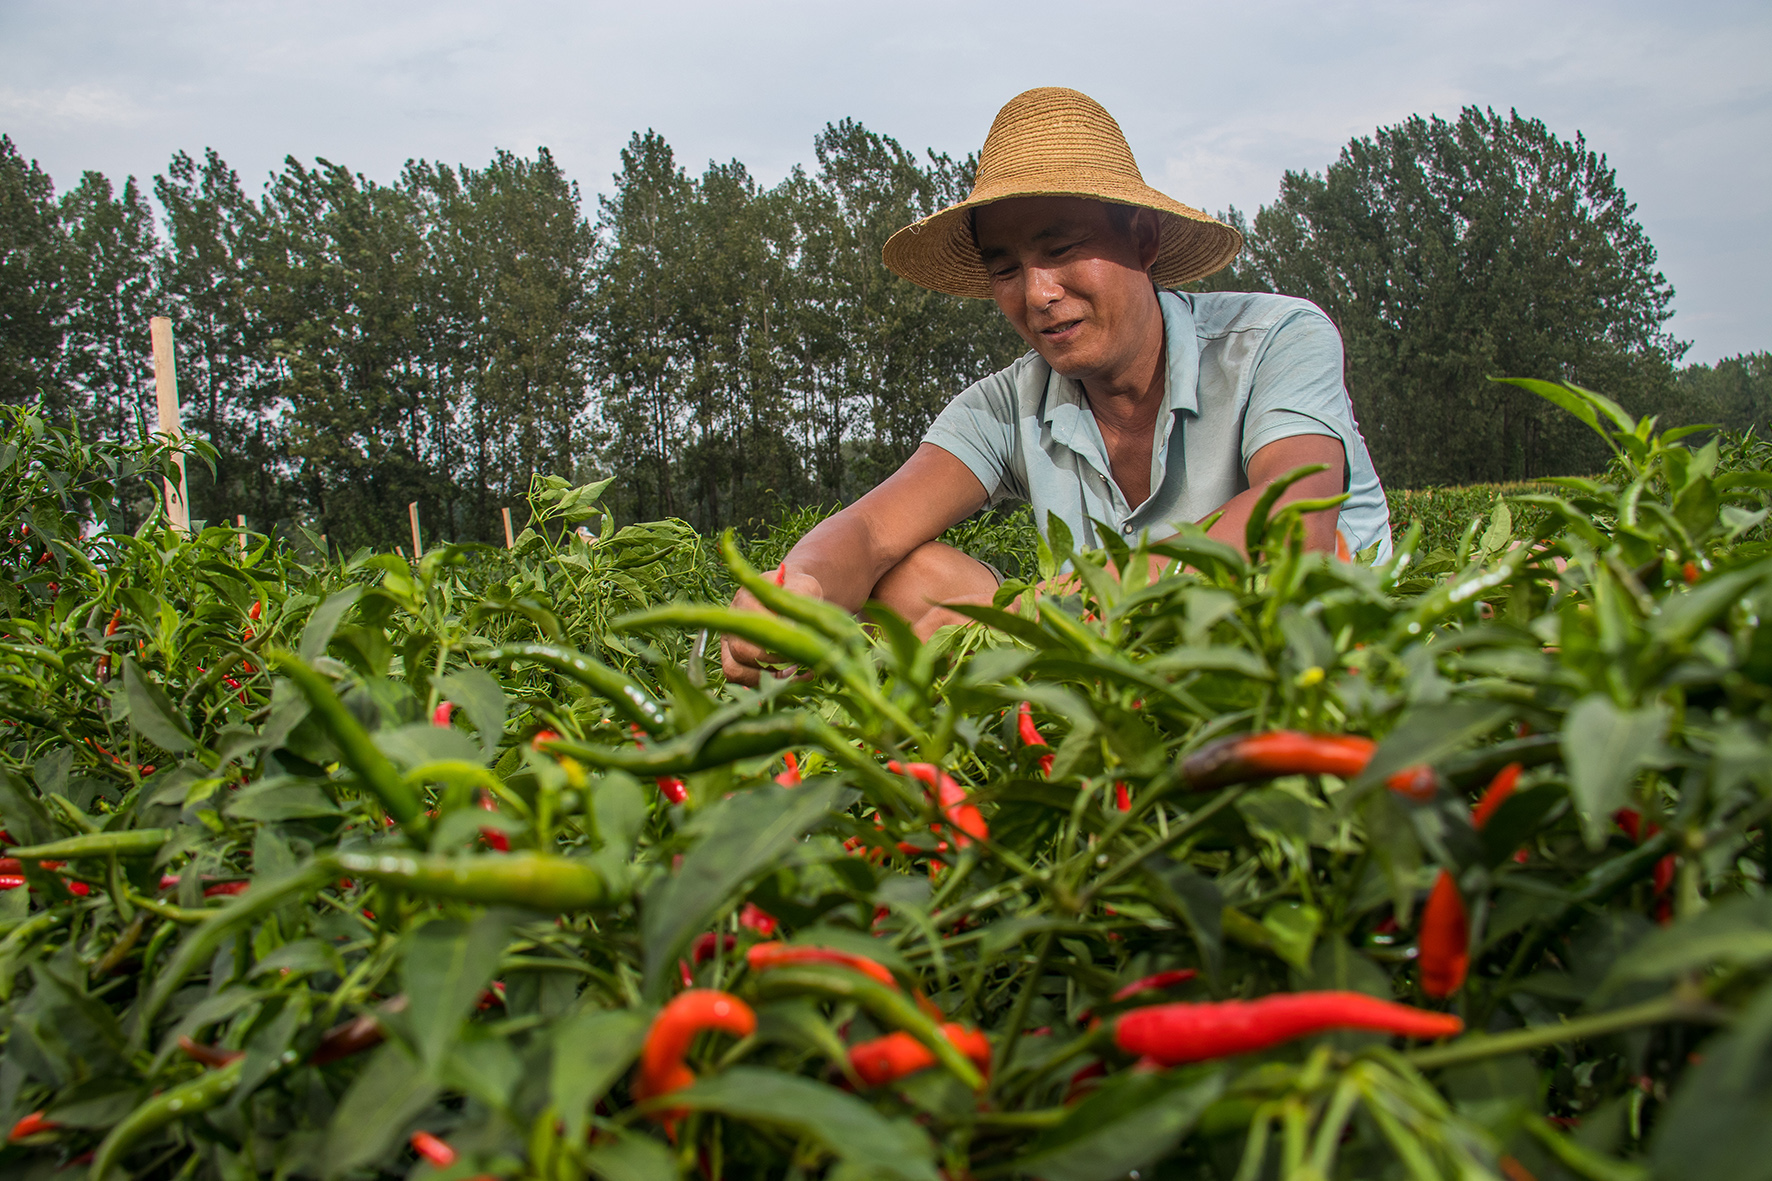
1219, 313
1017, 381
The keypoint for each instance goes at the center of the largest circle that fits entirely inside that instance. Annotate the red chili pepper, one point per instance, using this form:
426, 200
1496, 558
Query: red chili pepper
258, 607
433, 1149
967, 821
755, 918
11, 881
1031, 736
213, 1056
348, 1038
1499, 789
781, 573
1513, 1170
441, 715
763, 956
790, 777
494, 838
1269, 755
1445, 939
1689, 572
890, 1058
1084, 1081
1418, 783
30, 1125
1122, 799
1153, 982
1177, 1033
672, 789
706, 942
689, 1013
541, 736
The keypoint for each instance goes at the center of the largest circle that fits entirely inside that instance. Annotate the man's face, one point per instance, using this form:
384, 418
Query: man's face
1073, 282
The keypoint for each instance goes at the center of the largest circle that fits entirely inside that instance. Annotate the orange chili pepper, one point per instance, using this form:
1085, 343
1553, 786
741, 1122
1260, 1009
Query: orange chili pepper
689, 1013
890, 1058
967, 820
433, 1149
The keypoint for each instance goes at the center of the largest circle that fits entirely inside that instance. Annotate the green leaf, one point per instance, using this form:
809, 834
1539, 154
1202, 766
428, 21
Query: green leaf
479, 694
324, 621
1131, 1121
1604, 747
1294, 927
1428, 733
372, 1114
745, 835
1718, 1125
629, 1156
448, 965
1736, 933
591, 1051
153, 712
837, 1122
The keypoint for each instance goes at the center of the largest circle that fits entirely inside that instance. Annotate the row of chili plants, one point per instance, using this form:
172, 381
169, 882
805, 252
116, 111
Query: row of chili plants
1450, 866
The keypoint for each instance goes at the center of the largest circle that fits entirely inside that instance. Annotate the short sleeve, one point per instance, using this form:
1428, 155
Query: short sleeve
1296, 388
978, 429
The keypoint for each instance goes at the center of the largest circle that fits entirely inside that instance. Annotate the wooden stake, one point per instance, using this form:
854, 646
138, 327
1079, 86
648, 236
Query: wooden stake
178, 503
510, 542
412, 511
400, 551
241, 521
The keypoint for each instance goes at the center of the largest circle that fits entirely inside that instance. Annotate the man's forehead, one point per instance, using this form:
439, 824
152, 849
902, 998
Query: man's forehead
1035, 219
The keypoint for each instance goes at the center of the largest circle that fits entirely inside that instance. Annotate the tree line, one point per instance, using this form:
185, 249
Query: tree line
731, 351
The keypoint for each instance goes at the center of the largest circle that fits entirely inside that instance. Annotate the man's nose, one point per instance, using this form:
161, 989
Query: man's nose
1040, 287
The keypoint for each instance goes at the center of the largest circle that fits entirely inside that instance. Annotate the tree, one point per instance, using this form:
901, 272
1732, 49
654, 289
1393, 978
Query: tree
109, 280
1735, 393
33, 294
1450, 252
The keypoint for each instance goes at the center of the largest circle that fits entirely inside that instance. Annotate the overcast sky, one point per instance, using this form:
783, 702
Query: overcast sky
1217, 100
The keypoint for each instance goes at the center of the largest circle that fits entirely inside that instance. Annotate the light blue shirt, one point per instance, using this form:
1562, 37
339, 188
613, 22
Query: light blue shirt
1243, 371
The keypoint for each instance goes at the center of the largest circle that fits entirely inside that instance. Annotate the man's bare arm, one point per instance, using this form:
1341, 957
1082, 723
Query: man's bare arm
1268, 465
1274, 461
844, 556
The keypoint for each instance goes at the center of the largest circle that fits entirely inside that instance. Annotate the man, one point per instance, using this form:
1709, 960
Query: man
1139, 406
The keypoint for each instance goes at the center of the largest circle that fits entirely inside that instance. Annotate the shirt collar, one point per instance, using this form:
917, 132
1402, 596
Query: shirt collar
1181, 353
1181, 345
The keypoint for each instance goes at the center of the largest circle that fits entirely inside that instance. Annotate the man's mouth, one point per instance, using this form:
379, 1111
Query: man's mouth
1058, 331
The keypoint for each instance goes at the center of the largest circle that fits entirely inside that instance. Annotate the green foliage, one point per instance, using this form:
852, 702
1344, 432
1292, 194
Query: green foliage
1449, 252
270, 718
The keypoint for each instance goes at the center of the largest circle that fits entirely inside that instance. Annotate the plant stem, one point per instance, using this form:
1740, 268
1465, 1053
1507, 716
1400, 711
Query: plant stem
1126, 865
1673, 1007
1019, 1014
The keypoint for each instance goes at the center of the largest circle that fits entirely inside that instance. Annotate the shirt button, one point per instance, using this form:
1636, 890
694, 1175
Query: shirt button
1128, 527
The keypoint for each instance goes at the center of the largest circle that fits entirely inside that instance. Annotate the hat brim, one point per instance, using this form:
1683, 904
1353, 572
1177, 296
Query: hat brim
939, 253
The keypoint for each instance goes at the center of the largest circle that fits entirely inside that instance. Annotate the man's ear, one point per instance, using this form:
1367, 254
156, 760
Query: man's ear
1147, 233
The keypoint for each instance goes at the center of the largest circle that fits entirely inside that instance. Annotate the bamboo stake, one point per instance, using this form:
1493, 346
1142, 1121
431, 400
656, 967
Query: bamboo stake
178, 504
240, 520
510, 541
412, 511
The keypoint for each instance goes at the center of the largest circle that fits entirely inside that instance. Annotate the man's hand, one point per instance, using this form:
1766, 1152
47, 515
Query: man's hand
742, 661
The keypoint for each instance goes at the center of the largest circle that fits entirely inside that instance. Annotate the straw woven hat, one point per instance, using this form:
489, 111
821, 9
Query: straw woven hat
1056, 142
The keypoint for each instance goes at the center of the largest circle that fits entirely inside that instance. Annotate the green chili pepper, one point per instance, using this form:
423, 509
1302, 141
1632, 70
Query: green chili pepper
360, 752
134, 842
828, 618
188, 1098
622, 691
746, 739
540, 881
887, 1003
775, 636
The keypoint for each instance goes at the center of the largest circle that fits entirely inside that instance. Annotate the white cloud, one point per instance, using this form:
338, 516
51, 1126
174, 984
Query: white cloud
1217, 100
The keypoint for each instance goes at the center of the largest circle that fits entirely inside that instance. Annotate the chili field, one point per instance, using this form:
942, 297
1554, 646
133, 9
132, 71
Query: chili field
1451, 866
